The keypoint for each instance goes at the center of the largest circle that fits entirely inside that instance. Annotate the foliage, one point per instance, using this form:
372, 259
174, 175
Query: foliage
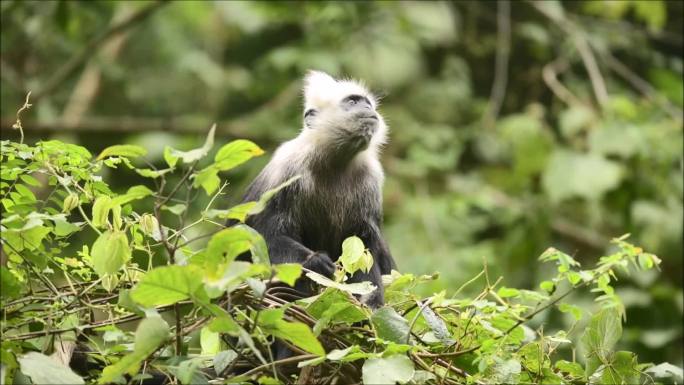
564, 128
201, 315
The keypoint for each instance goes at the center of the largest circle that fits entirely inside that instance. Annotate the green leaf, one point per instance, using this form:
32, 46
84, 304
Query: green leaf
359, 288
227, 244
437, 325
530, 354
235, 153
354, 256
589, 176
29, 180
667, 370
224, 324
388, 370
176, 209
329, 298
621, 368
390, 326
110, 252
101, 208
172, 156
599, 338
267, 195
548, 286
507, 292
64, 228
288, 272
188, 372
167, 285
45, 370
10, 285
238, 212
504, 371
208, 179
133, 193
243, 210
572, 369
209, 341
151, 333
149, 173
223, 359
169, 157
576, 311
127, 150
295, 332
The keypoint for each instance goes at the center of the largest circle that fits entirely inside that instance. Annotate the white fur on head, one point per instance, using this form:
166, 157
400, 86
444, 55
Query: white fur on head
321, 90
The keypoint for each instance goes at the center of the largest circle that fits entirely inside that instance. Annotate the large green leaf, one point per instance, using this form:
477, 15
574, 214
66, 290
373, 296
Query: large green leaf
45, 370
166, 285
227, 244
127, 150
288, 272
570, 174
296, 332
388, 370
359, 288
110, 252
355, 256
151, 333
390, 326
101, 208
620, 369
235, 153
172, 155
10, 285
599, 338
133, 193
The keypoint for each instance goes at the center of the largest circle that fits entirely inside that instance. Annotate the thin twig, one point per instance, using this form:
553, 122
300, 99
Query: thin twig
63, 73
17, 124
503, 48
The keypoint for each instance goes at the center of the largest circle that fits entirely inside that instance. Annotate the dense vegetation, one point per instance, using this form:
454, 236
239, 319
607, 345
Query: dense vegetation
207, 316
514, 128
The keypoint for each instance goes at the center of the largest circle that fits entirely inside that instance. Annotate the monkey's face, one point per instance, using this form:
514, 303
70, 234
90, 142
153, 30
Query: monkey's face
341, 115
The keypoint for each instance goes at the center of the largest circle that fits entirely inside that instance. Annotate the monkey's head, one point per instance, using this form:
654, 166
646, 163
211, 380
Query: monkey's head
340, 117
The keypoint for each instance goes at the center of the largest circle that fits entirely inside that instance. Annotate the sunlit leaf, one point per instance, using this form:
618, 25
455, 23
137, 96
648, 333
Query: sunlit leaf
166, 285
110, 252
127, 150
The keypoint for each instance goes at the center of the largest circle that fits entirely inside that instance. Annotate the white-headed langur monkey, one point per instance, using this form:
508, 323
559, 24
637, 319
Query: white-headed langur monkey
339, 193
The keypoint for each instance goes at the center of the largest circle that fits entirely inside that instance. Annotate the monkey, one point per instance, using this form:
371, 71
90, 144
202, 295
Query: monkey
339, 192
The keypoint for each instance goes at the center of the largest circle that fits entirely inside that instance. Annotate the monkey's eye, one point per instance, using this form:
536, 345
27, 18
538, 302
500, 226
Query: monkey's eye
309, 113
352, 100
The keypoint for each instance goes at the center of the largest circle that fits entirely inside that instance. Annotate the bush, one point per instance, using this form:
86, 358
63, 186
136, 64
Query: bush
125, 279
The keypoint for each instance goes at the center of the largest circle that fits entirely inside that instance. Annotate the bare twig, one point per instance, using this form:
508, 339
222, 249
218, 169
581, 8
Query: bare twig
503, 48
93, 46
642, 86
89, 83
580, 41
550, 75
17, 124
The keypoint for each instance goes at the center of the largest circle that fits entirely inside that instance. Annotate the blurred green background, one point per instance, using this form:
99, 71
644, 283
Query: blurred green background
514, 127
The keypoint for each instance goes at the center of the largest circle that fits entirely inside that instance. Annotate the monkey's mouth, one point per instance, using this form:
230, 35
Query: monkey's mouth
368, 117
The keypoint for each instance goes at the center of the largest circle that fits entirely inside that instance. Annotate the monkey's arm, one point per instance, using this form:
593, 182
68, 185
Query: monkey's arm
285, 249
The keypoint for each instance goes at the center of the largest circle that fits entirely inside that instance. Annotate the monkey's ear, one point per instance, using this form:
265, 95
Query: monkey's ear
317, 84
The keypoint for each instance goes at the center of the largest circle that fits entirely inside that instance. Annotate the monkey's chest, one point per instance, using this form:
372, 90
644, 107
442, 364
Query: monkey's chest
332, 215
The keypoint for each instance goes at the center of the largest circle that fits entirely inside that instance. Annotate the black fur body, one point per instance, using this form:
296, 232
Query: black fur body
339, 192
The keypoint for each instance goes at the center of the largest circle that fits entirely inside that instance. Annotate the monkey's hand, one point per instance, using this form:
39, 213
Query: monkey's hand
321, 263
